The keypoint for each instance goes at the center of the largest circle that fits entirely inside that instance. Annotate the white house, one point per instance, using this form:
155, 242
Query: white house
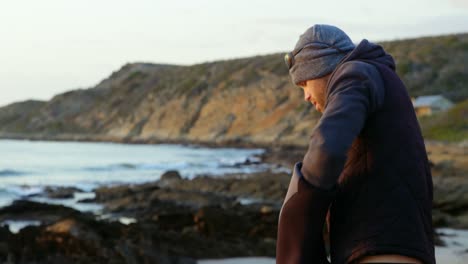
430, 104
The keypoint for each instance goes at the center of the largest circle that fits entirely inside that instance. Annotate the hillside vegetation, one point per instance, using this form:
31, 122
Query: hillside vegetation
248, 100
433, 65
449, 126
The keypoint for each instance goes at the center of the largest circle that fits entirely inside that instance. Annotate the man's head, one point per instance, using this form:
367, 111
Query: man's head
316, 55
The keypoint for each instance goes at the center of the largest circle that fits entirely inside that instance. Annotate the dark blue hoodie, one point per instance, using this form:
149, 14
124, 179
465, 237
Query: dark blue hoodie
367, 160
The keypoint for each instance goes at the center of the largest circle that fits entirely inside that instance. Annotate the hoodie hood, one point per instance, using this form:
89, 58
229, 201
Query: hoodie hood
366, 50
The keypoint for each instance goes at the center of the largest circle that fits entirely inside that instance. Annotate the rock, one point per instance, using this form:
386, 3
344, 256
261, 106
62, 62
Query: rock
74, 228
266, 209
438, 241
451, 194
87, 200
106, 193
237, 221
445, 167
29, 210
248, 162
441, 219
204, 209
263, 185
284, 156
461, 221
61, 192
171, 175
75, 237
450, 204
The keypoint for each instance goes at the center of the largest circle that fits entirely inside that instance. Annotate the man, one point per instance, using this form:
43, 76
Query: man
366, 169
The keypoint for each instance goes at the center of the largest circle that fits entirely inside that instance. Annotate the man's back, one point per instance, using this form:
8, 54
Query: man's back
385, 197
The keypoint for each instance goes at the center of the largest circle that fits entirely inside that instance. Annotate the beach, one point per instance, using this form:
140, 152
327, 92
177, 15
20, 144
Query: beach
115, 201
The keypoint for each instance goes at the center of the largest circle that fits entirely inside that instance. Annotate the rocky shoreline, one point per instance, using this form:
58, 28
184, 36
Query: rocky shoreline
173, 220
177, 220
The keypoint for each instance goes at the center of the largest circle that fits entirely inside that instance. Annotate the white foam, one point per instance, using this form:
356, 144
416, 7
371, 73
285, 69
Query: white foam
127, 220
456, 251
247, 201
73, 202
16, 225
25, 190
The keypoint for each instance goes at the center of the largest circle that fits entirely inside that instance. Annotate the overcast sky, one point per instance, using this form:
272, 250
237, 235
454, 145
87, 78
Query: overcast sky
51, 46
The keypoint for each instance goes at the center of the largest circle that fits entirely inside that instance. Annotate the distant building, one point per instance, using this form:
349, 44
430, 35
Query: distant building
430, 104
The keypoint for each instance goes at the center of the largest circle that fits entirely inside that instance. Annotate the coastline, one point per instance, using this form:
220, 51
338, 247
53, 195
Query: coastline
238, 143
207, 220
202, 225
185, 219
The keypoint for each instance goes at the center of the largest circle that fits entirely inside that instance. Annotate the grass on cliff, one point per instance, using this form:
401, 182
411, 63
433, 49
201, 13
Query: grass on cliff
448, 126
433, 65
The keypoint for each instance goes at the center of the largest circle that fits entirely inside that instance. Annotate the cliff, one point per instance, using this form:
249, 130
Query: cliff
241, 101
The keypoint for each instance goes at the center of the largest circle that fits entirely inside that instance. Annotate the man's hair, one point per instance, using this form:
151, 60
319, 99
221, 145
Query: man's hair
302, 83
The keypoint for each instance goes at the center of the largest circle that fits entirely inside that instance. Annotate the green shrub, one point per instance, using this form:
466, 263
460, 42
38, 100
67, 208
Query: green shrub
450, 126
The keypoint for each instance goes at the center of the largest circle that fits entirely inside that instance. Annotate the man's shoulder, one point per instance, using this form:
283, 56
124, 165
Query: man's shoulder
361, 74
357, 68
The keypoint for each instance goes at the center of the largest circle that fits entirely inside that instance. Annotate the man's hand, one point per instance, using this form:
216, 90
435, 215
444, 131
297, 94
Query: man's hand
301, 221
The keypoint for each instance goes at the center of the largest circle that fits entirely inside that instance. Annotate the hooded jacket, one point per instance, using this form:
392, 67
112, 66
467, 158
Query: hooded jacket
366, 170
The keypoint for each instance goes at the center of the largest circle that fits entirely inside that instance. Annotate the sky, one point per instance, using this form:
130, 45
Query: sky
52, 46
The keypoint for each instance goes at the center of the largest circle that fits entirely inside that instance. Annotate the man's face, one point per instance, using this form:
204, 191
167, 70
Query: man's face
315, 91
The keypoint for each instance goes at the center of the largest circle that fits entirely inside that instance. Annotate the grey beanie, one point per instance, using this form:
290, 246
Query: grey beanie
318, 52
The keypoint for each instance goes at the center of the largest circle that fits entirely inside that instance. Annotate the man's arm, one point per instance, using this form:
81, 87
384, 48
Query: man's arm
355, 92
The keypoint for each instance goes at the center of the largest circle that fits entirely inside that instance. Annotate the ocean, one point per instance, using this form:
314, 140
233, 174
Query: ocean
27, 167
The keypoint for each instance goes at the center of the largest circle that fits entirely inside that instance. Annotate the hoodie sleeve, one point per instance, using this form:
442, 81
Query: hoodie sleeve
355, 91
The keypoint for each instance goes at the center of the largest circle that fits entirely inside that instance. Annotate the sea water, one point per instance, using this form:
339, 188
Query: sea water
27, 167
